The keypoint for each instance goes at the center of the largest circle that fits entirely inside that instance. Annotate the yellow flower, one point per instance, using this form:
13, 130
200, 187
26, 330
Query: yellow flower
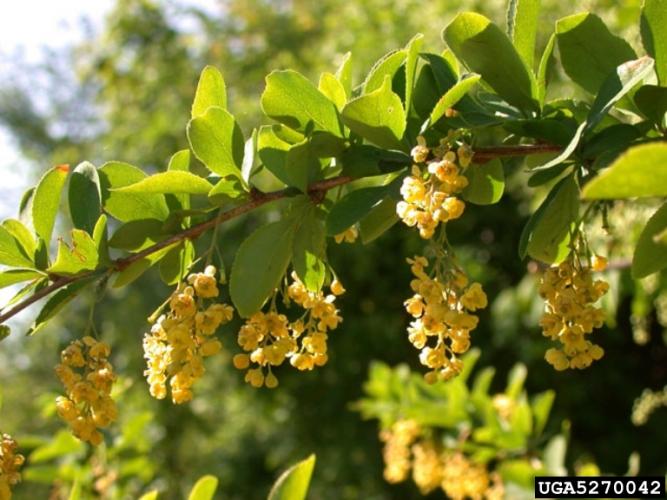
348, 236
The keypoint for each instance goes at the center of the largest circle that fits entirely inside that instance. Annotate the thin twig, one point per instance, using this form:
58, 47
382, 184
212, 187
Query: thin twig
257, 199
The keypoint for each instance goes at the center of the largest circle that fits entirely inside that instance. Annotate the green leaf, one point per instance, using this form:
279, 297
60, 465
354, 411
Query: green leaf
129, 206
84, 196
654, 35
204, 488
22, 235
57, 302
333, 89
272, 151
63, 443
309, 251
290, 98
172, 182
652, 102
260, 263
227, 190
651, 255
522, 17
546, 62
353, 207
589, 52
248, 166
615, 86
151, 495
386, 66
101, 240
411, 60
486, 183
217, 141
554, 456
546, 236
176, 262
344, 73
46, 200
137, 235
139, 267
452, 96
293, 484
515, 381
211, 91
13, 276
25, 207
380, 219
567, 151
80, 256
179, 162
486, 50
377, 117
302, 165
639, 172
11, 251
541, 406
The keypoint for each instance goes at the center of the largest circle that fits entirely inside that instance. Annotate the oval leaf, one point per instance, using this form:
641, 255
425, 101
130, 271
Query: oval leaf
46, 200
293, 484
204, 488
172, 182
309, 251
486, 183
211, 91
85, 197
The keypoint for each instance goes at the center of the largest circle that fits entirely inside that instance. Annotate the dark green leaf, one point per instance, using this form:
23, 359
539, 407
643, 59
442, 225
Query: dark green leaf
412, 58
211, 91
217, 141
176, 262
309, 251
640, 172
651, 255
84, 196
353, 207
380, 219
139, 267
129, 206
272, 150
652, 102
567, 151
260, 263
486, 50
290, 98
57, 302
486, 183
137, 235
46, 200
546, 62
589, 52
377, 117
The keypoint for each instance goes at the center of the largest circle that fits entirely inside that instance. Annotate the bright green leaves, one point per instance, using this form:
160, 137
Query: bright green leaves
81, 255
522, 27
129, 206
204, 488
654, 35
217, 141
651, 251
211, 91
386, 66
173, 182
12, 253
639, 172
377, 117
412, 58
452, 96
261, 262
546, 236
84, 197
486, 183
291, 99
13, 276
589, 52
486, 50
46, 200
293, 484
309, 250
333, 89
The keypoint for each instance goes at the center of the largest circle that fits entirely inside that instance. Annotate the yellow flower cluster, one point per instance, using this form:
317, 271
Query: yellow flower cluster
179, 341
269, 338
350, 235
429, 196
88, 377
432, 468
569, 292
10, 463
441, 307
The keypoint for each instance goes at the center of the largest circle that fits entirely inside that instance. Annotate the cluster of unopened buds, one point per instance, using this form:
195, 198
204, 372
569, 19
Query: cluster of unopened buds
406, 449
269, 338
10, 464
88, 378
429, 193
441, 307
570, 293
179, 341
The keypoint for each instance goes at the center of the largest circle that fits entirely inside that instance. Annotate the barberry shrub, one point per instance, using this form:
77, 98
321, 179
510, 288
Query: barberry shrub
422, 138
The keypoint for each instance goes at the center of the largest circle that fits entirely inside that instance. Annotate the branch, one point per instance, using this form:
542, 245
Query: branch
257, 199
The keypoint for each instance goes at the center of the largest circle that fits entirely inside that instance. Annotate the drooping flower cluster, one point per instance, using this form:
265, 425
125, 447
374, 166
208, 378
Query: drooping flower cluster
10, 464
429, 193
441, 307
269, 338
88, 377
405, 449
570, 293
179, 341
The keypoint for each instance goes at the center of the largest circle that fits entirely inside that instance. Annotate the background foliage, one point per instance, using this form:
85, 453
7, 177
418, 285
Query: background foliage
126, 96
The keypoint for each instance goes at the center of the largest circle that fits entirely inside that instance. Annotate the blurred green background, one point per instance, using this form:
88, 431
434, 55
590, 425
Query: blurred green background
124, 93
